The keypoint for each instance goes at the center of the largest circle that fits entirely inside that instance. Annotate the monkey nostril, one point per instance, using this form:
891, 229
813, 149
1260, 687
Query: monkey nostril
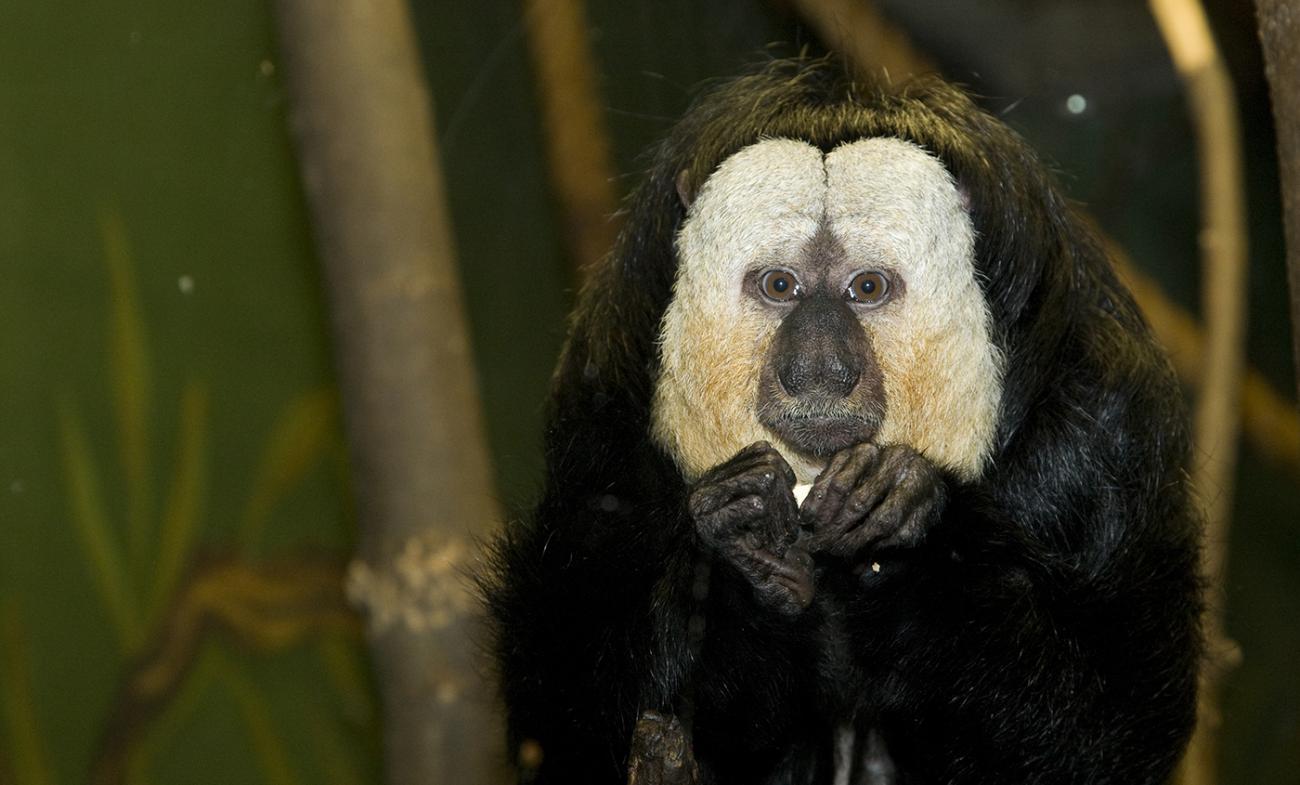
791, 380
840, 377
820, 375
848, 380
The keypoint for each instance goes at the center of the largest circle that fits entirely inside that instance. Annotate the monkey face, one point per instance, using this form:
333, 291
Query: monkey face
823, 300
820, 388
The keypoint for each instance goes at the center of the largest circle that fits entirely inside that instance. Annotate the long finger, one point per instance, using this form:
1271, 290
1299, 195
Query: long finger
836, 482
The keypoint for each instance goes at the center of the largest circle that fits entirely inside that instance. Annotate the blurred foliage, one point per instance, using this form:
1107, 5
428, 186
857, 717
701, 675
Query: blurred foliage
172, 493
26, 746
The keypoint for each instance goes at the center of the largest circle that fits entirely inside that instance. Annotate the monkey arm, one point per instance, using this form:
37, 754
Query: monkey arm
746, 516
1046, 630
1030, 669
608, 604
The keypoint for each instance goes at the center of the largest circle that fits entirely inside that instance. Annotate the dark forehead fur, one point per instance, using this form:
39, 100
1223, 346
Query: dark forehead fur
1039, 267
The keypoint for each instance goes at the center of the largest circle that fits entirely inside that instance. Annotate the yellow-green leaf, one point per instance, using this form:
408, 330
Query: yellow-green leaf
208, 667
18, 703
128, 365
181, 516
91, 521
301, 434
271, 754
348, 675
328, 745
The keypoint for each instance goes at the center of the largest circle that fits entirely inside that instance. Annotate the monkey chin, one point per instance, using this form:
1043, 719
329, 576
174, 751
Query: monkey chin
807, 443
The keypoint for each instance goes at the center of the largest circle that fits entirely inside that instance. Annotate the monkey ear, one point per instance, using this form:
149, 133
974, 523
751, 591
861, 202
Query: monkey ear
684, 188
964, 194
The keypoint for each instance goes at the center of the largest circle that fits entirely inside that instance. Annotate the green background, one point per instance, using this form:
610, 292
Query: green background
166, 392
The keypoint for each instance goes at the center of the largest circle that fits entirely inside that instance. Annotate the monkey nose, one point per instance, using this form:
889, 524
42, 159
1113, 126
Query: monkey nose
819, 373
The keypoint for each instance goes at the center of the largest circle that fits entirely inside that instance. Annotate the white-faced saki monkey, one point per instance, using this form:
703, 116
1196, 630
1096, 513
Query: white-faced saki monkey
875, 290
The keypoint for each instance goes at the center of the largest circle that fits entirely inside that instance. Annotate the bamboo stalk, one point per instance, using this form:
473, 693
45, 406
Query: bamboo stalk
362, 116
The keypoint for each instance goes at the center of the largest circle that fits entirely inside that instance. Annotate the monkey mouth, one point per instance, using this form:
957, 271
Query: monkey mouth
821, 436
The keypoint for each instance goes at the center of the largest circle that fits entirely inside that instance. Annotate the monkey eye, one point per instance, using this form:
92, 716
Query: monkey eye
779, 285
869, 287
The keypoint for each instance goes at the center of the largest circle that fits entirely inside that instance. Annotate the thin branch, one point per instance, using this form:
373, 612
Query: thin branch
1213, 106
577, 142
362, 115
862, 34
269, 607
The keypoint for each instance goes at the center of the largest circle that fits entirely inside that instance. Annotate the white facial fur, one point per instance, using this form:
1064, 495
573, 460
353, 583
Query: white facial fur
891, 206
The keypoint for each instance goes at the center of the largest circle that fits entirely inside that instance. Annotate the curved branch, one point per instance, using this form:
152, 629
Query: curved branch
1223, 251
270, 607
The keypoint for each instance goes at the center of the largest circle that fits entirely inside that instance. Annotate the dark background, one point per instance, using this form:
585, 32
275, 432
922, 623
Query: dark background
166, 391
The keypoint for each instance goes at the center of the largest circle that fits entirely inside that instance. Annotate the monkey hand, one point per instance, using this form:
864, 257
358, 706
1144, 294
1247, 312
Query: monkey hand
745, 513
871, 498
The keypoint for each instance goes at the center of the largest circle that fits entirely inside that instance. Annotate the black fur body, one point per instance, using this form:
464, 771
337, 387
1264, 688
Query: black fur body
1045, 630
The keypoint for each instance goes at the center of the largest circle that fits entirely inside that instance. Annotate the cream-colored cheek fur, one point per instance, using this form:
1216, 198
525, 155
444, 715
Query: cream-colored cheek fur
893, 205
759, 208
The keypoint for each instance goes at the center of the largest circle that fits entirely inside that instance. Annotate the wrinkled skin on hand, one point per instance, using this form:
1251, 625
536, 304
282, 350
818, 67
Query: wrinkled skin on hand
870, 499
745, 513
